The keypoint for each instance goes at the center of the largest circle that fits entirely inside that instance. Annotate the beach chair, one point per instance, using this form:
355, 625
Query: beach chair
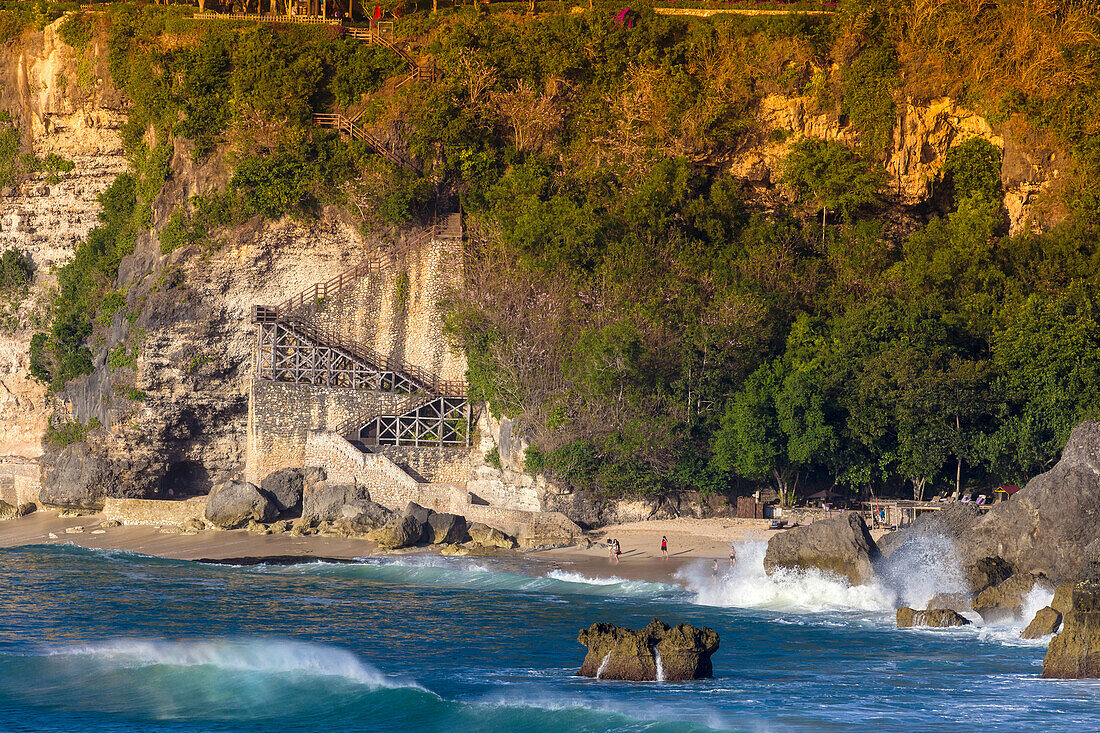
981, 499
966, 496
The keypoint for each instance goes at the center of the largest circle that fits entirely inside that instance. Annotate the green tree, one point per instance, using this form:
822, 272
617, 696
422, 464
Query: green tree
832, 176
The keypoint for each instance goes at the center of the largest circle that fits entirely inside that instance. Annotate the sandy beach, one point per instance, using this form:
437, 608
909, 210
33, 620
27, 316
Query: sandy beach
689, 541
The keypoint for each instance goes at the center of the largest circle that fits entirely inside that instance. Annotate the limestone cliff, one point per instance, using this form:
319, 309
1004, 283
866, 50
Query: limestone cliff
64, 103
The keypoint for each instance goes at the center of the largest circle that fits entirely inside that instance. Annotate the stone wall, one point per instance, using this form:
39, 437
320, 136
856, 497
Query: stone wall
439, 465
154, 511
280, 417
20, 480
397, 311
393, 488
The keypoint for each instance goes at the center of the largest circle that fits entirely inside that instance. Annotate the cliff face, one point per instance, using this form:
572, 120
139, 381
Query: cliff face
175, 405
923, 135
63, 102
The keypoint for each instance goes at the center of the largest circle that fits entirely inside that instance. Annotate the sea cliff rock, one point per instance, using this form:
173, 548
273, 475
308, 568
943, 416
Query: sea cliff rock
958, 602
363, 516
234, 504
402, 531
1005, 600
76, 479
840, 545
935, 617
1046, 526
1074, 653
323, 501
487, 536
986, 573
286, 486
657, 652
1045, 623
446, 529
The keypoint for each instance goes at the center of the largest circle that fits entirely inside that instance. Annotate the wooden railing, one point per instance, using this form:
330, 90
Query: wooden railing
408, 404
343, 124
269, 18
387, 363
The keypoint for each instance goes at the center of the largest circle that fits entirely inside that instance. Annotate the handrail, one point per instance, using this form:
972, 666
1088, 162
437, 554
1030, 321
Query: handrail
426, 379
269, 18
343, 124
409, 403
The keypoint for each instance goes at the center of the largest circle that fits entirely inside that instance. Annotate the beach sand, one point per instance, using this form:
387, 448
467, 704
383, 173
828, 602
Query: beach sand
690, 542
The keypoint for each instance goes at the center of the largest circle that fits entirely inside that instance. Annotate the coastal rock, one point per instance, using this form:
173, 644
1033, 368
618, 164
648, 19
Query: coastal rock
323, 501
286, 486
1074, 653
1063, 597
27, 507
8, 511
415, 510
1045, 527
1005, 600
840, 545
939, 618
656, 652
958, 602
403, 531
75, 479
235, 503
363, 516
1045, 623
986, 573
487, 536
446, 529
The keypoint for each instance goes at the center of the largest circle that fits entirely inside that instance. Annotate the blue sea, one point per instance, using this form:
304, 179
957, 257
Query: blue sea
113, 641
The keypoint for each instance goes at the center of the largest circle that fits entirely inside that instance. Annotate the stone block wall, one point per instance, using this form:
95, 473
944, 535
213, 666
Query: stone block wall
281, 415
154, 511
20, 480
398, 311
439, 465
393, 488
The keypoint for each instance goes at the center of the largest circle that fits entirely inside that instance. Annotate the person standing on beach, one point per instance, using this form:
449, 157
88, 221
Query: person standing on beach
733, 556
610, 549
714, 571
664, 547
617, 551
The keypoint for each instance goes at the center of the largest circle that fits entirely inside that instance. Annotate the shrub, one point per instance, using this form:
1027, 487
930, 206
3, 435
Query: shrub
16, 270
492, 457
974, 168
66, 433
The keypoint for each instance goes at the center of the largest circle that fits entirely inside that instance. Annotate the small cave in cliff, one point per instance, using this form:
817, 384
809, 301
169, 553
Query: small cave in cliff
185, 479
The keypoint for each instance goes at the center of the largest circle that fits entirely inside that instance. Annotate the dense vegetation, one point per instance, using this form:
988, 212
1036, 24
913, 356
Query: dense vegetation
659, 323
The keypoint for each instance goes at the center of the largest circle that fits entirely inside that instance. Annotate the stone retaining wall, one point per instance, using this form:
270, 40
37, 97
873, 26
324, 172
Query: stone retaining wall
393, 488
439, 465
20, 480
280, 416
154, 511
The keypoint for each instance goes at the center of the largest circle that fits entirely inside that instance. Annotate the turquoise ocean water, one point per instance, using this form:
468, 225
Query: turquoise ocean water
111, 641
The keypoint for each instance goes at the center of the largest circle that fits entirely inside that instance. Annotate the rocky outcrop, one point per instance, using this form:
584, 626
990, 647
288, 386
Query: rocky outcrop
324, 501
958, 602
487, 536
235, 503
986, 573
446, 529
287, 486
1063, 598
1045, 623
404, 530
1046, 526
11, 511
1005, 601
80, 476
657, 652
939, 618
1074, 653
363, 516
839, 545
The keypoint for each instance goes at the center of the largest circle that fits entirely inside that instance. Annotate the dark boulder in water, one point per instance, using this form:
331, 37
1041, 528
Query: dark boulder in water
986, 573
657, 652
939, 618
840, 545
1045, 623
1005, 601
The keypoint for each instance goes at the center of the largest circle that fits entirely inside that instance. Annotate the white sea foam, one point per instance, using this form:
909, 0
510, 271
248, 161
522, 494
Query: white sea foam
272, 656
571, 577
746, 585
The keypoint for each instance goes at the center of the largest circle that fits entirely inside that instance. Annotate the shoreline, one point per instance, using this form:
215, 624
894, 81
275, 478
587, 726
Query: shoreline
691, 542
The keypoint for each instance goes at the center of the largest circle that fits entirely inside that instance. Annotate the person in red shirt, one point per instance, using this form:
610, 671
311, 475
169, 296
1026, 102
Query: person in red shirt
664, 547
